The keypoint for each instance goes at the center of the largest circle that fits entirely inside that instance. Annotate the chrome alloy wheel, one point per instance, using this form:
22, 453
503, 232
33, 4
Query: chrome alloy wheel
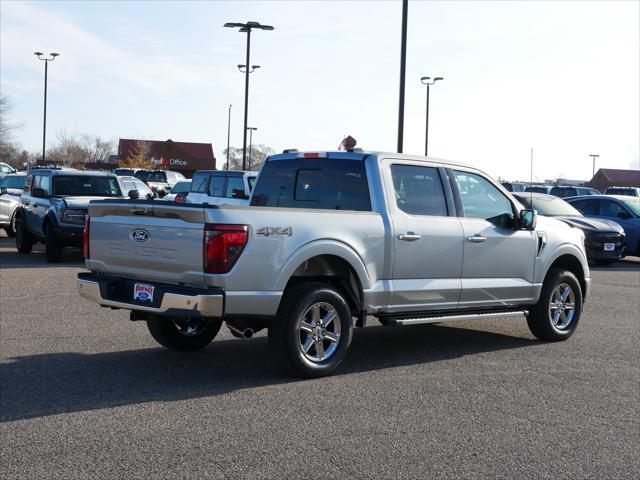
190, 327
562, 306
318, 332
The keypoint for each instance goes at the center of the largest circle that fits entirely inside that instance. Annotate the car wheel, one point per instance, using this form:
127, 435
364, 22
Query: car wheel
182, 333
312, 331
11, 228
24, 240
556, 315
53, 250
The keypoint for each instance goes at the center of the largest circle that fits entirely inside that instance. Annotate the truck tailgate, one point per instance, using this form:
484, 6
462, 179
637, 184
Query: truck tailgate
147, 240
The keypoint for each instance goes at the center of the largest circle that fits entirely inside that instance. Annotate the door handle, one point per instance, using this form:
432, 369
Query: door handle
409, 236
477, 238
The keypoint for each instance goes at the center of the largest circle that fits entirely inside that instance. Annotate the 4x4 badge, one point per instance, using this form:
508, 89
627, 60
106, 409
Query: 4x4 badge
140, 235
267, 231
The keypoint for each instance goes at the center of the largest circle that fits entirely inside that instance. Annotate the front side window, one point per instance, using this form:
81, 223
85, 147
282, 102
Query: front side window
41, 182
85, 186
610, 208
200, 183
587, 207
481, 199
418, 190
324, 183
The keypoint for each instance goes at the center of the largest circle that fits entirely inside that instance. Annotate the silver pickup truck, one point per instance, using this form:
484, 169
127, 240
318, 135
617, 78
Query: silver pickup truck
330, 239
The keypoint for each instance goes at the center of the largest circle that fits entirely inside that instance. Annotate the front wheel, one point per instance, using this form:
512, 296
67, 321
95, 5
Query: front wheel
11, 228
53, 250
556, 315
181, 333
312, 331
24, 240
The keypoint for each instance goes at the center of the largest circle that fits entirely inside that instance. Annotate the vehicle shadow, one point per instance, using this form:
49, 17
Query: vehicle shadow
49, 384
628, 264
10, 258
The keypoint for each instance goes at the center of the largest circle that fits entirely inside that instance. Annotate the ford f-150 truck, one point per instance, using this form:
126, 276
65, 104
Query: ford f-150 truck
328, 240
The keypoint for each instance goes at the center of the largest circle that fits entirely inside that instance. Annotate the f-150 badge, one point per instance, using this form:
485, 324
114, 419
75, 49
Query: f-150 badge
268, 231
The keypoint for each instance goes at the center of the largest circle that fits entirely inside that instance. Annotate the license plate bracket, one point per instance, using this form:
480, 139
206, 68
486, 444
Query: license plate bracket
143, 292
609, 247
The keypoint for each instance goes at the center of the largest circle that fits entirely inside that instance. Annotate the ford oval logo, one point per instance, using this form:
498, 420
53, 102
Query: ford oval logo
140, 235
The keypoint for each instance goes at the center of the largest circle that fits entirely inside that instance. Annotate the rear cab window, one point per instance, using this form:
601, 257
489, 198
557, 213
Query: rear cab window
418, 190
321, 183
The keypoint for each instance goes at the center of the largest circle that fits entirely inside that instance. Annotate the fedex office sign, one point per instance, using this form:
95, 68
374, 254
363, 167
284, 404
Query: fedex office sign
166, 161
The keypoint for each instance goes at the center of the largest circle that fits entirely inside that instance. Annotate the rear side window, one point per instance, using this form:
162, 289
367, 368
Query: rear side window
563, 192
418, 190
588, 207
322, 183
200, 183
234, 183
216, 186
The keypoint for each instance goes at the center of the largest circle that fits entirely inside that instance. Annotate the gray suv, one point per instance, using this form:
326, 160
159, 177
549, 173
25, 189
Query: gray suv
54, 204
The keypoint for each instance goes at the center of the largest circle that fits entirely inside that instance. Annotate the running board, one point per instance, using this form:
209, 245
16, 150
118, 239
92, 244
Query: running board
450, 318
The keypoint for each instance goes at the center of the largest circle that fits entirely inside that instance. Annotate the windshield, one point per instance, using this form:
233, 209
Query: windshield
181, 187
621, 191
123, 172
13, 181
633, 204
549, 206
85, 186
151, 176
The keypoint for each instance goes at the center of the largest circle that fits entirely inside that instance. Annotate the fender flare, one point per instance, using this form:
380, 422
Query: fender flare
317, 248
51, 217
565, 249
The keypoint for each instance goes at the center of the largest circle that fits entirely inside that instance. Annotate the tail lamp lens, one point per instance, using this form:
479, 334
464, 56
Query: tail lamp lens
85, 238
223, 245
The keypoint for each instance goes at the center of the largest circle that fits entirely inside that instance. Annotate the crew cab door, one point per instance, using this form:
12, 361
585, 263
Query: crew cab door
427, 237
498, 264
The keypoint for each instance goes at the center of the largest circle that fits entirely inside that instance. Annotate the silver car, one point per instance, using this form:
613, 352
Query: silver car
11, 187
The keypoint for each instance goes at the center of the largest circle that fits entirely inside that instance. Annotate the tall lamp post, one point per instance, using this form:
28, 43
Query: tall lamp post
403, 69
46, 60
251, 130
593, 169
228, 134
428, 81
246, 28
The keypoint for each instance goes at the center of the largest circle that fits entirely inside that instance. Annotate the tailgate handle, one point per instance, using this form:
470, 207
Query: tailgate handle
139, 210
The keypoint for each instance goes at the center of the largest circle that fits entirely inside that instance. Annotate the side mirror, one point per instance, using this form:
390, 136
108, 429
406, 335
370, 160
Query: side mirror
528, 219
3, 190
134, 194
161, 192
624, 215
38, 192
239, 193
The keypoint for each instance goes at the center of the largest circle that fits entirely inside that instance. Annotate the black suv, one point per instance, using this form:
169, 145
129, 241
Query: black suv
54, 204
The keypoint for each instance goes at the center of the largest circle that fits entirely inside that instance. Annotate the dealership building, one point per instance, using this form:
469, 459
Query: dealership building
183, 157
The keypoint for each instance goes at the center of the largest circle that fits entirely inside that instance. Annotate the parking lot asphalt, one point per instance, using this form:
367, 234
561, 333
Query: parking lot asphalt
85, 393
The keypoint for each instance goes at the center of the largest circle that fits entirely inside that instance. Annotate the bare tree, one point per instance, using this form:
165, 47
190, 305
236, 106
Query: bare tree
97, 150
254, 161
9, 150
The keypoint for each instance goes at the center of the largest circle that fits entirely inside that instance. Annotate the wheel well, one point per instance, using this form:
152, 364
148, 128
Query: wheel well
335, 271
571, 263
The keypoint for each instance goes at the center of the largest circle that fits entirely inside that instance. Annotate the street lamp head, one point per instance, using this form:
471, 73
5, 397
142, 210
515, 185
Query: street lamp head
247, 27
253, 67
54, 55
38, 53
438, 78
241, 66
233, 25
425, 79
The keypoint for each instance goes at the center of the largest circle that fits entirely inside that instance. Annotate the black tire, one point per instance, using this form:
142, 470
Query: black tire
24, 240
11, 228
605, 261
540, 317
52, 246
184, 334
285, 335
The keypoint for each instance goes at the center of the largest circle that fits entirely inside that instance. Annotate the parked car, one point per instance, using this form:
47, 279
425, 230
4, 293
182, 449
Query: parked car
133, 184
627, 191
514, 186
160, 181
54, 204
126, 172
538, 188
336, 237
604, 239
11, 187
221, 187
179, 191
564, 191
621, 209
6, 169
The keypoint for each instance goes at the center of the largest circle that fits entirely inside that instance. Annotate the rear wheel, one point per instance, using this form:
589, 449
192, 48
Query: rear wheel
11, 228
312, 332
52, 246
24, 240
556, 315
182, 333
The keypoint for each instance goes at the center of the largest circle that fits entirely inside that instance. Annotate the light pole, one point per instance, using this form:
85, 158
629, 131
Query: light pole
246, 28
428, 81
403, 69
46, 60
593, 169
251, 130
228, 134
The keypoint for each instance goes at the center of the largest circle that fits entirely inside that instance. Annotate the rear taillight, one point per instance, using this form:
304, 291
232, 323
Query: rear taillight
223, 245
85, 238
180, 198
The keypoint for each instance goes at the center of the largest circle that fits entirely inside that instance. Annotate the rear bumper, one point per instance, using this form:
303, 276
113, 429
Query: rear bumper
117, 292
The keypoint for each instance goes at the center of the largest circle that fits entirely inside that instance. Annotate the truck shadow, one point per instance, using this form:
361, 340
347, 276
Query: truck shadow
49, 384
10, 258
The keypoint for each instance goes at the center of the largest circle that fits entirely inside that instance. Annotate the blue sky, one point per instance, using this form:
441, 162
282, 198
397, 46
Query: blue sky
561, 77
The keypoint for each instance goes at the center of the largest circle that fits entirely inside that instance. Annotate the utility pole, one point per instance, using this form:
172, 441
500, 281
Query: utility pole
403, 68
46, 60
228, 135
